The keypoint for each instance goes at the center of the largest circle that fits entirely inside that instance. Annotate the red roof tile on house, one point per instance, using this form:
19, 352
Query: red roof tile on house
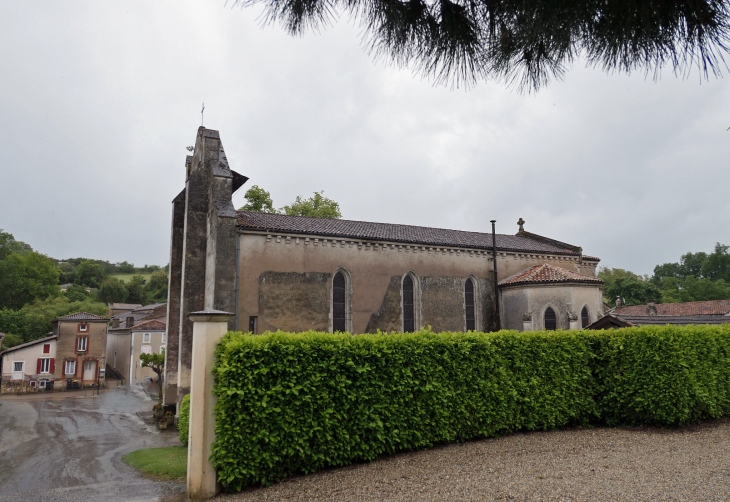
152, 325
542, 274
714, 307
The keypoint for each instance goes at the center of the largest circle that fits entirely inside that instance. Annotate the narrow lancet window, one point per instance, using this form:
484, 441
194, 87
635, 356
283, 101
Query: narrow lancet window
551, 322
585, 318
469, 301
339, 322
409, 321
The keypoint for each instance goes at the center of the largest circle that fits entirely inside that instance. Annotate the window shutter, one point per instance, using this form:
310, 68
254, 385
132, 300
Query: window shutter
87, 345
53, 365
76, 368
38, 369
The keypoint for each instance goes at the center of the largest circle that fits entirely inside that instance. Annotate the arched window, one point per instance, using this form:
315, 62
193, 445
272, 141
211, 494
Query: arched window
409, 311
585, 318
339, 320
551, 321
471, 322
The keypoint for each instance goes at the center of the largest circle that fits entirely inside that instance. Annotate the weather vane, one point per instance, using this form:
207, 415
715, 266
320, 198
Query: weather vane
201, 114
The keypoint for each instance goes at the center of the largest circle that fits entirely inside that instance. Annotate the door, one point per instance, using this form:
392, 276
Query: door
89, 370
18, 370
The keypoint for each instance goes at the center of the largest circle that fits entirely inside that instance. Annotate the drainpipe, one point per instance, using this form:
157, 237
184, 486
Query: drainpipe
496, 285
238, 261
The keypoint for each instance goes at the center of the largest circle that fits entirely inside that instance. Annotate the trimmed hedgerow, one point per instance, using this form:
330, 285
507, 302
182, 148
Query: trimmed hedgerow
291, 403
183, 423
668, 376
299, 402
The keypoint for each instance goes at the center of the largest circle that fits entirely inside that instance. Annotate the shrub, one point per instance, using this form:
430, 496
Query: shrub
671, 375
183, 424
301, 402
291, 403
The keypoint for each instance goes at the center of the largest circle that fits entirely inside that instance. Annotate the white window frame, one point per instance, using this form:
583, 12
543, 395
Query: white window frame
42, 383
148, 347
66, 365
22, 367
162, 347
45, 364
83, 327
164, 337
79, 340
146, 338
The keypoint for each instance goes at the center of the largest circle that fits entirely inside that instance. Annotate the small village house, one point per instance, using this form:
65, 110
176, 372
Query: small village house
126, 340
30, 364
80, 349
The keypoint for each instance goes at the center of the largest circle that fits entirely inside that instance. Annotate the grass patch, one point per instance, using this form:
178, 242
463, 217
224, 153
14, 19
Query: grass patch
170, 462
128, 277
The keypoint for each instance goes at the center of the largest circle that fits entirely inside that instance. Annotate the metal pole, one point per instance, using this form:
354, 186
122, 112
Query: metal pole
496, 284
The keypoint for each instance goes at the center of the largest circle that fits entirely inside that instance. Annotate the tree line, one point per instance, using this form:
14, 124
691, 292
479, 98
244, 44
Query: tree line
695, 277
31, 294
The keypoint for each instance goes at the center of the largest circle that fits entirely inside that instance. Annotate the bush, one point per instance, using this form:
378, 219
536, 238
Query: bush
183, 424
301, 402
667, 376
291, 403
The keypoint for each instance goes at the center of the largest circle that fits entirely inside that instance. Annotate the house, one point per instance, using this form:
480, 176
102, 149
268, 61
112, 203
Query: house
121, 308
297, 273
147, 337
80, 349
122, 342
30, 364
675, 314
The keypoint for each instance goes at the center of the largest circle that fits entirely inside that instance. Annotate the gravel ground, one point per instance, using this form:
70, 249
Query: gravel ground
622, 464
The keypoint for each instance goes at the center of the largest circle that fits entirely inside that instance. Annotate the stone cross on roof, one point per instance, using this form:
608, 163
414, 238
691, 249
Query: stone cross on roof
521, 223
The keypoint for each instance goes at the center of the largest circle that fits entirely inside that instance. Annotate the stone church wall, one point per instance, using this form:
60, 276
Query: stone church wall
286, 280
535, 299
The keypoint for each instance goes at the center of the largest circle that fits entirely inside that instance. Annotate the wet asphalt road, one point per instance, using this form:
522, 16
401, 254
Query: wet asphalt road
60, 448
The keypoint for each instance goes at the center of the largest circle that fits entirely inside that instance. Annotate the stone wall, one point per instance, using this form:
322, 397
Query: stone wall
16, 387
286, 282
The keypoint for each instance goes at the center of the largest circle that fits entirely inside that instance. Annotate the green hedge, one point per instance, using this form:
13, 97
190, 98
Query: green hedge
183, 423
291, 403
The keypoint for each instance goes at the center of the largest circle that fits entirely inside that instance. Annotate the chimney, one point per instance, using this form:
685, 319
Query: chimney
115, 322
618, 302
130, 322
651, 307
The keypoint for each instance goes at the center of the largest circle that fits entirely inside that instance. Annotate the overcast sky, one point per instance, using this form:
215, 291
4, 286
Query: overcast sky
98, 101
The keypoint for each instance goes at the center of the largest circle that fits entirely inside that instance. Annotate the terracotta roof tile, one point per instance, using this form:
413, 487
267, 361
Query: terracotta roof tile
675, 320
82, 316
398, 233
151, 325
714, 307
545, 273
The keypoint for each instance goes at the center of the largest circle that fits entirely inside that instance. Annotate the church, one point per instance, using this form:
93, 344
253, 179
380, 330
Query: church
295, 273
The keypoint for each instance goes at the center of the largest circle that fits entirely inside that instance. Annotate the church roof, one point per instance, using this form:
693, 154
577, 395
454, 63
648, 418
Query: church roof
713, 307
545, 274
390, 232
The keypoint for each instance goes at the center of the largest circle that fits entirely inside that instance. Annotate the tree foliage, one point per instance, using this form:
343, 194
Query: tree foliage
9, 245
156, 362
317, 206
525, 42
258, 200
633, 289
77, 293
89, 273
33, 320
137, 293
112, 290
25, 278
157, 286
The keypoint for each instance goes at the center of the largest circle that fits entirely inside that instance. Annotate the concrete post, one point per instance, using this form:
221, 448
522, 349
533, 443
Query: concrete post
527, 321
209, 326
